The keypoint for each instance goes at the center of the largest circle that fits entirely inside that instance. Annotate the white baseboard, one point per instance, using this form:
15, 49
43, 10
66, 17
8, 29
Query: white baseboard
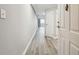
29, 43
54, 40
53, 37
55, 44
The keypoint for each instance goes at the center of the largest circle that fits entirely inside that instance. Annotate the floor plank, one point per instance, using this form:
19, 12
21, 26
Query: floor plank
41, 45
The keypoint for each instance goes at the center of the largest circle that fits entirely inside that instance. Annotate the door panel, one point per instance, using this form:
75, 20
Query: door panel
70, 34
63, 34
74, 50
74, 18
74, 29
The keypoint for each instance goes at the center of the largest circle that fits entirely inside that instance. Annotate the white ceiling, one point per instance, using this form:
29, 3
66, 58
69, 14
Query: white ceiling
41, 8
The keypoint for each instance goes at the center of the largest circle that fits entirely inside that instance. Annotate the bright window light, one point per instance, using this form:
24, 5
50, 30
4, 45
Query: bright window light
42, 21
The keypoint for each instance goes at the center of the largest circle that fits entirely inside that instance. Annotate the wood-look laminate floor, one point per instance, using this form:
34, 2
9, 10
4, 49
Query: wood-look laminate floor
40, 45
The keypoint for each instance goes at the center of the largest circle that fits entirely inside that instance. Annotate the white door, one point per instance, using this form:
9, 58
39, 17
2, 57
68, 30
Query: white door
50, 21
69, 29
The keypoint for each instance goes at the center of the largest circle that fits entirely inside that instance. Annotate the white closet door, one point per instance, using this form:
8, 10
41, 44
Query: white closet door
50, 23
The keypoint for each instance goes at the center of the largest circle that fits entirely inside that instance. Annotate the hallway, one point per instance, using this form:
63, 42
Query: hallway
39, 29
40, 45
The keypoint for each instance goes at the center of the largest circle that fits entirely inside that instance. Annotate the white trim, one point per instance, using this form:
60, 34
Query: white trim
53, 37
55, 43
25, 50
54, 40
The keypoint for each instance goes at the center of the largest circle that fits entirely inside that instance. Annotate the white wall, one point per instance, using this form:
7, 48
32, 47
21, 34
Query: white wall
17, 29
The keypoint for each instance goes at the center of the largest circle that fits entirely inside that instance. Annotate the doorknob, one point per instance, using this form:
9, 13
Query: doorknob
58, 22
58, 26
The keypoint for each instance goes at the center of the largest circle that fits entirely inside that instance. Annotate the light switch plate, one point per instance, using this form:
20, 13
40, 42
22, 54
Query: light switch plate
3, 14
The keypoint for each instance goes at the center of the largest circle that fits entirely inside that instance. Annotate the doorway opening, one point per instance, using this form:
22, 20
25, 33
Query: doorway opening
41, 22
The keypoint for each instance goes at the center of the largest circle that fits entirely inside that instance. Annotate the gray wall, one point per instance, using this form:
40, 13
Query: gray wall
17, 29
